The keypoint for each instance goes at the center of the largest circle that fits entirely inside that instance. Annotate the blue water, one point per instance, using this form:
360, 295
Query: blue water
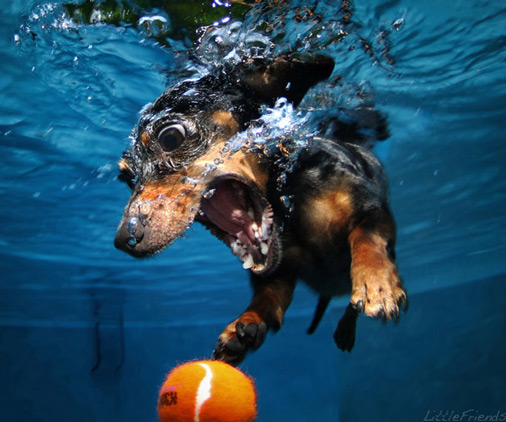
87, 332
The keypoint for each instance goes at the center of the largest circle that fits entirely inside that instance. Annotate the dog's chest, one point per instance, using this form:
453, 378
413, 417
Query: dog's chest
327, 271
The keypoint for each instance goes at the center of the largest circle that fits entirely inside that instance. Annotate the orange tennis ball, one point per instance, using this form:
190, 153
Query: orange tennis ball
207, 391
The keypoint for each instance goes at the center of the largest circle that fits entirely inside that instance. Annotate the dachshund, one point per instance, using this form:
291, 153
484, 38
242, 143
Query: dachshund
339, 234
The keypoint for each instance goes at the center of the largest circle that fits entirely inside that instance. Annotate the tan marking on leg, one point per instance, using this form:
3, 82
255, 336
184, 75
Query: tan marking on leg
376, 285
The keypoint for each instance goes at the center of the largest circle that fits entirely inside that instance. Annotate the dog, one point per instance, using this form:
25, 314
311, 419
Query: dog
339, 235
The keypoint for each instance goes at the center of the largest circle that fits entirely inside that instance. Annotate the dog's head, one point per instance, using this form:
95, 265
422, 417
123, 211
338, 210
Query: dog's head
180, 168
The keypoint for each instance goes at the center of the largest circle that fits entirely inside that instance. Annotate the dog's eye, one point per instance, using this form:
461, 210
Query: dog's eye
171, 137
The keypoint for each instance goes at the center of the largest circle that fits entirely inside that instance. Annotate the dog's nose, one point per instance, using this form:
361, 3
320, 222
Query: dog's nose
130, 234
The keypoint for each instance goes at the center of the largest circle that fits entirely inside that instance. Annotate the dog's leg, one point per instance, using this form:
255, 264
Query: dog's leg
344, 336
271, 298
376, 285
321, 307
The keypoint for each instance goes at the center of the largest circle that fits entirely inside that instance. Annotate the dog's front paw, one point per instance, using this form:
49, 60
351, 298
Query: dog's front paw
377, 289
246, 333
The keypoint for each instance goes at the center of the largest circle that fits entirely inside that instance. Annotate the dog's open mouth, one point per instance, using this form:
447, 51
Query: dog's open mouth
237, 213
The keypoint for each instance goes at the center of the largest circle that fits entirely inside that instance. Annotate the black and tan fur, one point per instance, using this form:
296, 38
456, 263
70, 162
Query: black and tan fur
338, 236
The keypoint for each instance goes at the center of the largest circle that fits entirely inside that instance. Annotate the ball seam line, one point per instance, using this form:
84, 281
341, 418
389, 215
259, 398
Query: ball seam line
204, 390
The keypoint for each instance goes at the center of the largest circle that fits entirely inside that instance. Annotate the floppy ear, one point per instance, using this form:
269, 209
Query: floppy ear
288, 76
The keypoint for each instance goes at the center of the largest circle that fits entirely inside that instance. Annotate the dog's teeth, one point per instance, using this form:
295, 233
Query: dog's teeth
265, 231
248, 263
240, 247
264, 248
236, 248
258, 267
266, 223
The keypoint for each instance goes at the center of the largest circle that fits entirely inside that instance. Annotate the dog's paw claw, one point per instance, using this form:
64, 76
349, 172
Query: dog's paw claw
237, 339
243, 332
377, 292
252, 335
231, 352
359, 306
403, 303
381, 315
394, 314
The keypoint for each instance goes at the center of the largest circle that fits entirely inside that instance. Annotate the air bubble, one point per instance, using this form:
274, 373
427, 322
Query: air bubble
190, 181
144, 209
154, 26
285, 201
209, 168
132, 226
209, 193
397, 24
281, 179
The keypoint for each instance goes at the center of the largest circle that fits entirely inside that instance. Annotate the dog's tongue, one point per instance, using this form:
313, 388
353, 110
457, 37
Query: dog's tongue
226, 210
